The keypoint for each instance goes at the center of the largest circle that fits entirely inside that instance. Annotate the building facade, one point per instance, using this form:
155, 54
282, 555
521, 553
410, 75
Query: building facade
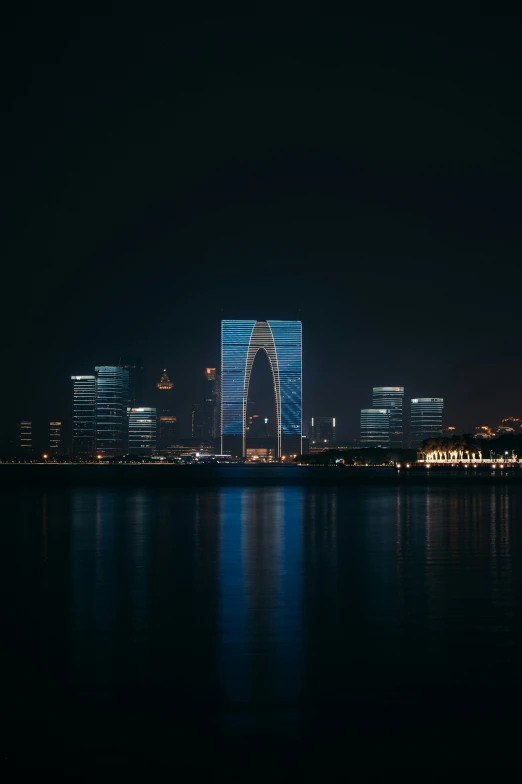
112, 394
322, 431
426, 419
168, 436
142, 430
210, 409
25, 430
83, 415
375, 427
240, 343
134, 366
392, 399
55, 437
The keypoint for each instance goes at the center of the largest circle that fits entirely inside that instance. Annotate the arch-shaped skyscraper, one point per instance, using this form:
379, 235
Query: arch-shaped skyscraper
282, 342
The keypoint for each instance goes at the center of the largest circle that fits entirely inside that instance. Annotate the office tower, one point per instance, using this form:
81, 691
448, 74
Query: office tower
392, 399
168, 435
135, 367
426, 419
84, 415
282, 342
322, 431
55, 437
210, 410
375, 427
197, 422
142, 431
112, 393
26, 435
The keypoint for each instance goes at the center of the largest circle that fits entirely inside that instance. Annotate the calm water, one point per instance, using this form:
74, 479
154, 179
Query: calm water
327, 629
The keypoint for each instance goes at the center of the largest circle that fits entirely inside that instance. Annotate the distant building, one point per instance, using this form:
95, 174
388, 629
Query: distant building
375, 427
112, 393
142, 431
26, 435
55, 437
210, 409
391, 398
84, 415
168, 436
197, 421
426, 419
450, 431
481, 431
164, 384
322, 431
134, 365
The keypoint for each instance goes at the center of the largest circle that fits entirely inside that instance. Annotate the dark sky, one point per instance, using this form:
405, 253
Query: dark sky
362, 174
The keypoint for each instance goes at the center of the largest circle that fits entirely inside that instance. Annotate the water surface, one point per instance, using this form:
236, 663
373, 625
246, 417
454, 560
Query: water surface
325, 629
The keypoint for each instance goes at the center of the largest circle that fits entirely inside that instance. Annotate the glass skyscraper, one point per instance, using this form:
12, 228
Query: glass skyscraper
282, 342
426, 419
375, 427
112, 394
26, 435
142, 431
84, 415
391, 398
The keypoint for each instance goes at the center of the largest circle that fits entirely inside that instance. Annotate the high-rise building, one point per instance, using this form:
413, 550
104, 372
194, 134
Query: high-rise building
112, 393
210, 410
84, 415
168, 436
391, 398
282, 342
164, 384
197, 421
55, 437
322, 431
26, 435
134, 365
426, 419
142, 430
375, 427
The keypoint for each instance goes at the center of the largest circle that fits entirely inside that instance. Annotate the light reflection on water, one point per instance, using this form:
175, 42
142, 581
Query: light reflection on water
259, 612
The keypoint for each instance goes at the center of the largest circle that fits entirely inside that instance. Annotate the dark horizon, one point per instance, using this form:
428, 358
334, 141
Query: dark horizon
362, 175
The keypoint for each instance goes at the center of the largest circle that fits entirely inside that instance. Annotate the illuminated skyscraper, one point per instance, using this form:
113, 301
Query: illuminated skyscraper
322, 431
142, 431
391, 398
165, 384
55, 437
426, 419
375, 427
112, 394
282, 342
84, 415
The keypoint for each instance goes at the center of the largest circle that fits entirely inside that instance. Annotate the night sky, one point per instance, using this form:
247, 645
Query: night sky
360, 174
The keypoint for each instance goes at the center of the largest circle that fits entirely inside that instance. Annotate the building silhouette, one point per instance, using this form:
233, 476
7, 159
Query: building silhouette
196, 421
375, 427
168, 435
282, 343
210, 408
426, 419
322, 431
134, 366
391, 398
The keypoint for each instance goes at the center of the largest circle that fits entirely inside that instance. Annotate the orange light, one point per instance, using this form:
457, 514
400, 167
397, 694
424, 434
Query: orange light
99, 457
45, 457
